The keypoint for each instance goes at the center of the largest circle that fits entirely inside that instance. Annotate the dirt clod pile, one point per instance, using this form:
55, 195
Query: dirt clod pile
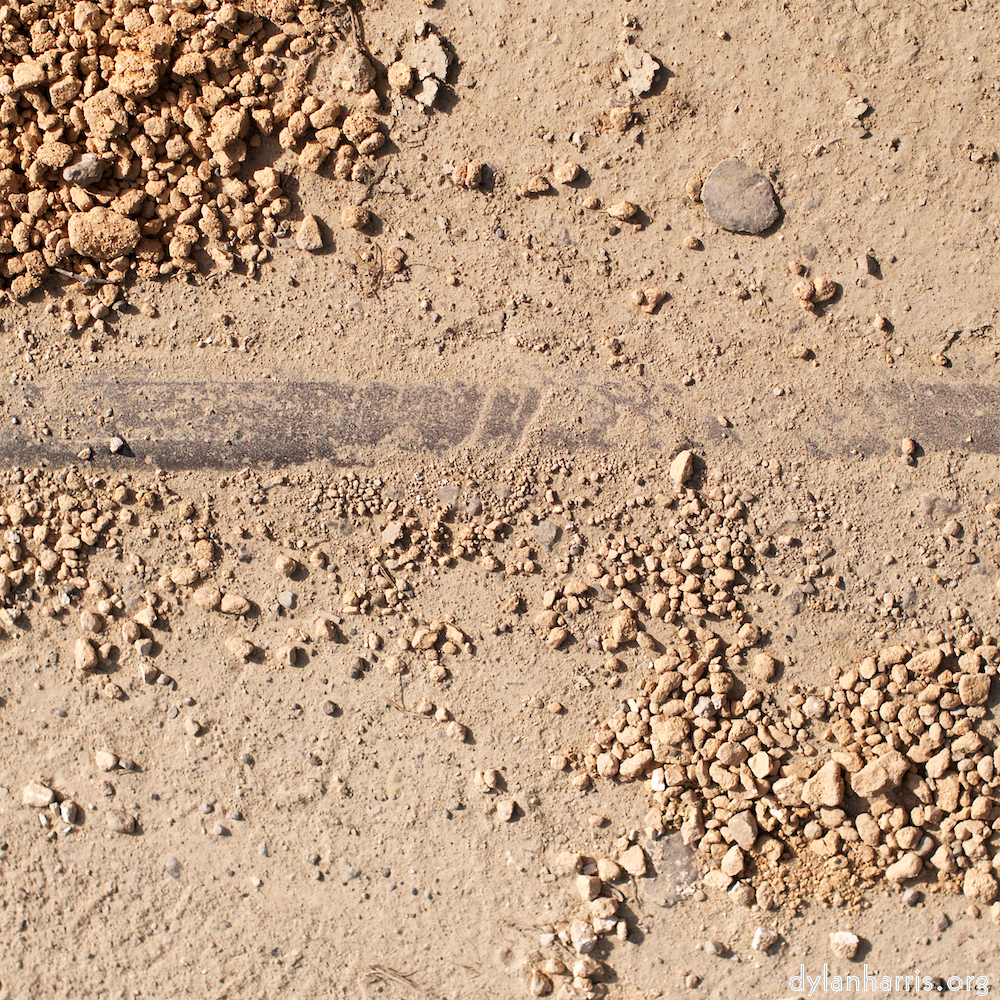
125, 128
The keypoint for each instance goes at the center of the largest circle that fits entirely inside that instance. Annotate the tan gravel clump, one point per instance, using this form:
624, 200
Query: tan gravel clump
126, 130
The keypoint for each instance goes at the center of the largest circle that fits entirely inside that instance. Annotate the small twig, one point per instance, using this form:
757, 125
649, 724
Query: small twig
85, 279
388, 575
380, 973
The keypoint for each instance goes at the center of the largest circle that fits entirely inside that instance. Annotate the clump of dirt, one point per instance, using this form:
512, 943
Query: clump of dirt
127, 128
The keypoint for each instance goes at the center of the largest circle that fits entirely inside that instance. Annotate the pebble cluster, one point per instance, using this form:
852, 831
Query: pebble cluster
889, 772
126, 127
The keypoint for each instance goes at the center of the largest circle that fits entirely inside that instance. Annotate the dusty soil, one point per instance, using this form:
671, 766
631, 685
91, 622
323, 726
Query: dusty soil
460, 422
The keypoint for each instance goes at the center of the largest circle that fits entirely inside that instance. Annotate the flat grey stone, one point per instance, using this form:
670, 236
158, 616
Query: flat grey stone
738, 198
87, 170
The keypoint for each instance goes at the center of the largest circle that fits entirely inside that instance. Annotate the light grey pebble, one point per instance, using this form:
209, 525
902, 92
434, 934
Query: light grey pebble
313, 859
546, 534
235, 815
262, 849
219, 830
347, 869
286, 599
912, 897
115, 445
87, 170
738, 198
173, 868
329, 708
206, 808
119, 822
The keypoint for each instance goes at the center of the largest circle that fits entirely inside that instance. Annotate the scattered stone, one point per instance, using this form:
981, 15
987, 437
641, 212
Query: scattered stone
37, 795
105, 761
119, 822
355, 217
681, 469
634, 861
355, 73
825, 788
979, 886
974, 689
764, 939
582, 936
763, 668
743, 829
566, 172
844, 944
540, 985
102, 234
537, 184
207, 597
738, 198
506, 810
86, 171
401, 76
234, 604
909, 866
637, 69
308, 235
286, 566
240, 648
623, 211
86, 655
732, 863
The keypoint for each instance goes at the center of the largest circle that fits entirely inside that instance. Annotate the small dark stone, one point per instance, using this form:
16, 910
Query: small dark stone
738, 198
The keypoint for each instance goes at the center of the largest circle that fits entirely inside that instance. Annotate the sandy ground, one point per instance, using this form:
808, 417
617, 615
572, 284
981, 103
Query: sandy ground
303, 827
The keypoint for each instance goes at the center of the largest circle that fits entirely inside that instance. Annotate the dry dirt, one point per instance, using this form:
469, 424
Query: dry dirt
461, 422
